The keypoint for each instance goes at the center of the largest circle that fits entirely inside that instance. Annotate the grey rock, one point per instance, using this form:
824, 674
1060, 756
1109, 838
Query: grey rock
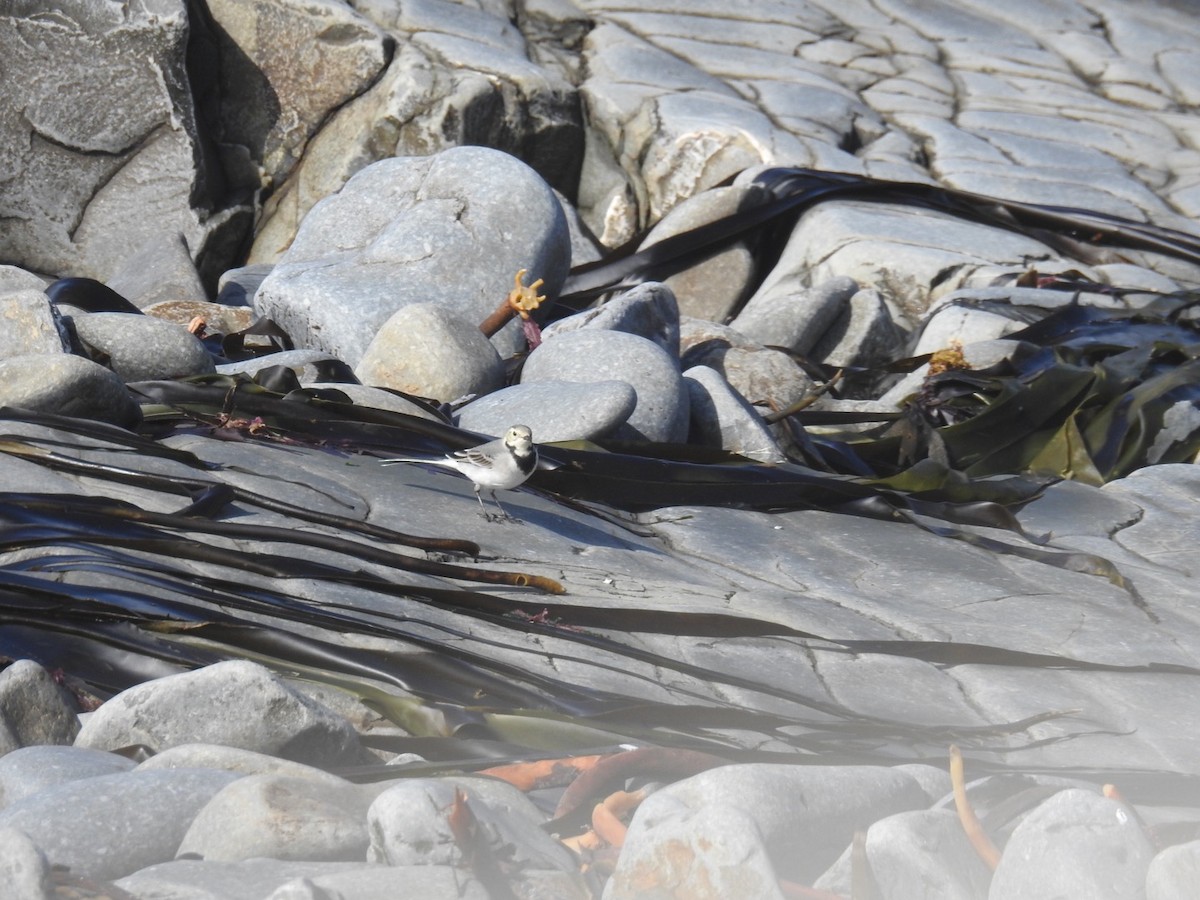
863, 335
953, 323
762, 376
555, 410
385, 883
237, 287
218, 317
315, 366
251, 879
589, 356
35, 708
378, 398
112, 825
925, 855
281, 817
677, 850
24, 869
721, 417
712, 288
102, 148
14, 278
161, 270
232, 759
67, 386
934, 781
1173, 873
142, 348
28, 770
978, 355
1077, 843
427, 350
648, 310
235, 703
780, 315
29, 324
410, 230
804, 815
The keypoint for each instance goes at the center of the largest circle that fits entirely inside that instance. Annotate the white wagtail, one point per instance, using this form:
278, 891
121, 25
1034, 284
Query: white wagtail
502, 464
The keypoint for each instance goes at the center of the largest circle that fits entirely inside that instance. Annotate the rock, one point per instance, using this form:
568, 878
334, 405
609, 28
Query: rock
27, 771
160, 271
280, 817
863, 335
105, 143
14, 278
720, 417
232, 759
589, 355
762, 376
66, 386
1077, 843
555, 410
112, 825
779, 315
648, 310
24, 869
142, 348
29, 324
196, 707
385, 883
237, 287
427, 350
34, 708
377, 398
218, 317
979, 355
451, 229
713, 288
315, 366
1173, 874
252, 879
952, 323
803, 815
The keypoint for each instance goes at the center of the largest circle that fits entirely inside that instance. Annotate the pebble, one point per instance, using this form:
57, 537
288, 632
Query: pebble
30, 324
648, 310
720, 417
142, 348
67, 386
34, 709
35, 767
780, 315
555, 410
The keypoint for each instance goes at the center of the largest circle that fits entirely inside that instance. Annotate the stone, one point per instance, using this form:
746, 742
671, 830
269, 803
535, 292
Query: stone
555, 410
30, 324
237, 287
27, 771
232, 759
34, 708
281, 817
720, 417
112, 825
104, 145
648, 310
863, 335
162, 270
24, 869
251, 879
196, 707
778, 315
385, 883
925, 854
219, 318
14, 278
1173, 873
762, 376
142, 348
451, 229
591, 355
427, 350
315, 366
1077, 843
66, 386
978, 355
376, 398
953, 324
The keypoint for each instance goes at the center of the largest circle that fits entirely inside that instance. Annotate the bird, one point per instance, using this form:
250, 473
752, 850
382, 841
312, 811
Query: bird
501, 464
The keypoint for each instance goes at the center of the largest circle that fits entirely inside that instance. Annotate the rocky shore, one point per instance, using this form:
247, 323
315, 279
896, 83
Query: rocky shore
857, 340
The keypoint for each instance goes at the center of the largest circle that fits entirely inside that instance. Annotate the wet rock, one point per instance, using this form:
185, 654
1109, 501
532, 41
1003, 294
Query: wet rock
1076, 843
451, 229
67, 386
555, 410
34, 708
721, 417
27, 771
142, 348
648, 310
429, 351
591, 355
194, 707
112, 825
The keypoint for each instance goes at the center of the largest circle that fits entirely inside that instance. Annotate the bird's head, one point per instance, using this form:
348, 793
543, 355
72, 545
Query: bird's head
519, 439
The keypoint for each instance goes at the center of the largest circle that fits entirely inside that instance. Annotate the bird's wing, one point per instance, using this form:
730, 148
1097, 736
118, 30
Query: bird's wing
477, 456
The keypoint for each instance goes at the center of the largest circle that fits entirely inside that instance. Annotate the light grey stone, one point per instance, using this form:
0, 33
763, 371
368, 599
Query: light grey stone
429, 351
1174, 873
28, 770
555, 410
29, 324
313, 366
961, 324
412, 230
784, 316
24, 869
863, 335
66, 386
112, 825
925, 855
232, 759
934, 781
720, 417
235, 703
1076, 843
237, 287
590, 355
377, 398
762, 376
142, 348
281, 817
35, 708
648, 310
385, 883
978, 356
251, 879
161, 270
14, 278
